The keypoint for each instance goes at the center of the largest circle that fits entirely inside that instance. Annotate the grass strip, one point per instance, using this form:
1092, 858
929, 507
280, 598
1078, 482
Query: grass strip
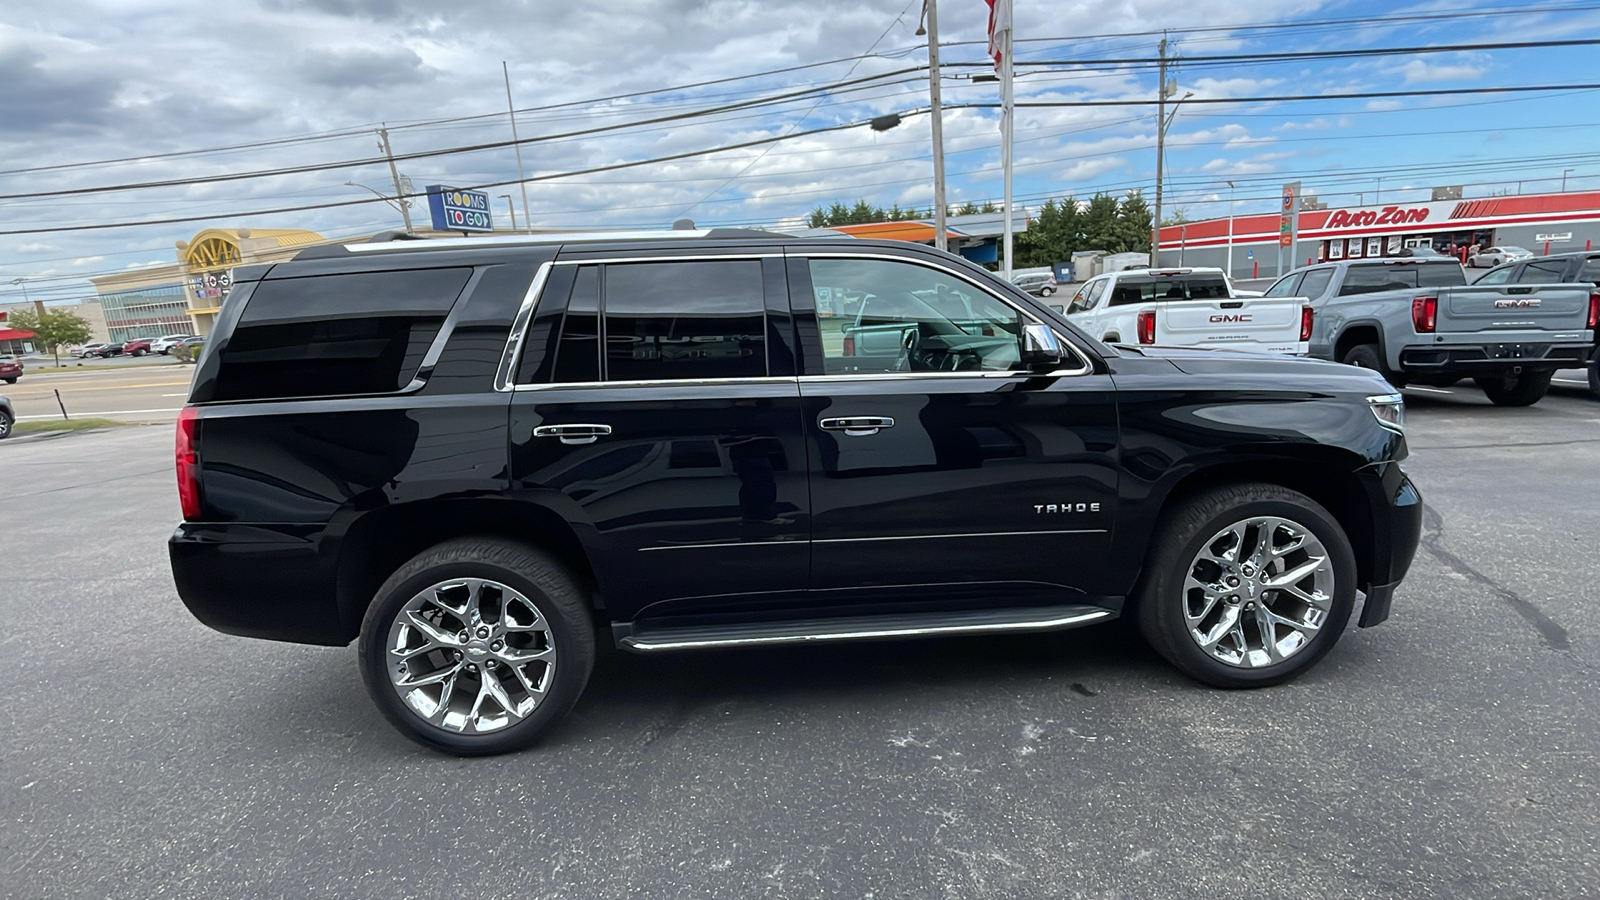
64, 425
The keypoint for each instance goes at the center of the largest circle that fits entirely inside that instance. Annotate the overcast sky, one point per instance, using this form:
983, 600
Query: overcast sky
89, 82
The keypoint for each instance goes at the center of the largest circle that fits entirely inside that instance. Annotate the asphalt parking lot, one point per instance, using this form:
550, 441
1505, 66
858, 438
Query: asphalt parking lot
1452, 752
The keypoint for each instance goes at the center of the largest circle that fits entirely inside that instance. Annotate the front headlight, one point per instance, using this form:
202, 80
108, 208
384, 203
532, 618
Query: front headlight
1390, 409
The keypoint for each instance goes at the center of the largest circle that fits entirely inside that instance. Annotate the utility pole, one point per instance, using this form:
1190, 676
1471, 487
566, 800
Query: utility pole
1230, 230
1161, 140
516, 144
930, 9
399, 192
1007, 115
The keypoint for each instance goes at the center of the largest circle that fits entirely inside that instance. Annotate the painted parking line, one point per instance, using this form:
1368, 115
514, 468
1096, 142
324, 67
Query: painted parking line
98, 413
1431, 390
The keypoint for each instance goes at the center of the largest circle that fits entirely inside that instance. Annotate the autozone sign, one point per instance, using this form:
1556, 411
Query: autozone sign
1389, 215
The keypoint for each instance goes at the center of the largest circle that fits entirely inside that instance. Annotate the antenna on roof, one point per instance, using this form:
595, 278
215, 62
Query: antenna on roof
683, 225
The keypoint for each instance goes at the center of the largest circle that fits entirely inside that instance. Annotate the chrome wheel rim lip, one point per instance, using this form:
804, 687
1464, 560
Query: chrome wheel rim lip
1257, 592
470, 656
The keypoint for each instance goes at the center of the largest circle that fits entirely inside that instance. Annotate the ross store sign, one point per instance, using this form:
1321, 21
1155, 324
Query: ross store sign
457, 210
211, 285
1389, 215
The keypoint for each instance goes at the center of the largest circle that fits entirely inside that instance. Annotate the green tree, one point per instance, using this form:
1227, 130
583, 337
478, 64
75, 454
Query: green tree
52, 329
1100, 224
1052, 236
859, 214
1178, 216
967, 209
1133, 224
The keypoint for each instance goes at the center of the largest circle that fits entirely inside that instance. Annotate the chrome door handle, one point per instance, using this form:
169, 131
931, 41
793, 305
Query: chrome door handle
857, 426
573, 434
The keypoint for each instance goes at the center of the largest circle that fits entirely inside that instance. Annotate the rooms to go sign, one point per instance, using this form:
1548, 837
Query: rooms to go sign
458, 210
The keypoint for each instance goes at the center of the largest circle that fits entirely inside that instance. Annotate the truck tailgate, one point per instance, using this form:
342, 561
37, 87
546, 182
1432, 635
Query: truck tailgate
1512, 307
1263, 325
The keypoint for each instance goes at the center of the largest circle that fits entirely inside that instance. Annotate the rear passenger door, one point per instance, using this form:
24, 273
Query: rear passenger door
945, 471
656, 406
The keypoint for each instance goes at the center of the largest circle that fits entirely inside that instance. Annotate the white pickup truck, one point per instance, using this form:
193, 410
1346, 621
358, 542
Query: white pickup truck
1188, 307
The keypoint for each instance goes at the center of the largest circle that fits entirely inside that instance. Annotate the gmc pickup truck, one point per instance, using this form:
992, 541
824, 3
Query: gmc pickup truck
1415, 320
1188, 307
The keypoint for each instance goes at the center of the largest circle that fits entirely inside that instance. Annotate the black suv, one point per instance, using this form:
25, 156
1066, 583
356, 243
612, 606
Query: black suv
467, 454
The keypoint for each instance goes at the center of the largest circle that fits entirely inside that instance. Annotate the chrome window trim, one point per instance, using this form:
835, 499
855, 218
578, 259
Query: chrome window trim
430, 359
1018, 374
660, 382
687, 257
519, 240
504, 375
965, 534
1085, 365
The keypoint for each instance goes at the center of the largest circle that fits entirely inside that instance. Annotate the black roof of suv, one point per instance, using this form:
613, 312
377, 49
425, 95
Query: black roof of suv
466, 454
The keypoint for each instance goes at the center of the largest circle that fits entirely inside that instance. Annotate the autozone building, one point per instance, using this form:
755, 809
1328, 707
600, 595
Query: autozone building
1542, 223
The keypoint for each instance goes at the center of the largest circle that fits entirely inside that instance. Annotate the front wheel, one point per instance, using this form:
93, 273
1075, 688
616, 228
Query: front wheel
138, 353
5, 424
1525, 389
1368, 356
1247, 586
477, 646
1047, 291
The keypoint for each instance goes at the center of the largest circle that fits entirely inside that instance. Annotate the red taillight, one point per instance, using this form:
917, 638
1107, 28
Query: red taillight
849, 345
1424, 314
1306, 318
1147, 327
188, 463
1594, 309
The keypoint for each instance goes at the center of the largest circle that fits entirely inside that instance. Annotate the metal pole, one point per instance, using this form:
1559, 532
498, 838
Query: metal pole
516, 143
1230, 230
1161, 139
1005, 138
939, 241
513, 207
399, 194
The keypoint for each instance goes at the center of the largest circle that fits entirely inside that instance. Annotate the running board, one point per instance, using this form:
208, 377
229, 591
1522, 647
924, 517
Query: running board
648, 638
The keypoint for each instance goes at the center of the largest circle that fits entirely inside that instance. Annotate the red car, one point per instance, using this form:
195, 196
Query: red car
10, 369
137, 347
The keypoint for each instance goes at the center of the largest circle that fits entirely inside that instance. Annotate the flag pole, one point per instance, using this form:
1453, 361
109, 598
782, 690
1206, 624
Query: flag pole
1005, 129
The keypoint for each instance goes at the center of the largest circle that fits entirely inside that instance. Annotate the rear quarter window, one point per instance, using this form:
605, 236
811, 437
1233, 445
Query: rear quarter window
330, 335
1399, 277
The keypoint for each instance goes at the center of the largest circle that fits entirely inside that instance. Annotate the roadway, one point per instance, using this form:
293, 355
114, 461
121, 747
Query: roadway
151, 389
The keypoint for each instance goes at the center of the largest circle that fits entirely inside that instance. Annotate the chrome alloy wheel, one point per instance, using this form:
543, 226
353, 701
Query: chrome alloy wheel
470, 656
1258, 592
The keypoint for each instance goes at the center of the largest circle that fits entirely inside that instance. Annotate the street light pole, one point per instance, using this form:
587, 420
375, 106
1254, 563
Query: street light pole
516, 144
930, 9
1230, 230
513, 207
1564, 179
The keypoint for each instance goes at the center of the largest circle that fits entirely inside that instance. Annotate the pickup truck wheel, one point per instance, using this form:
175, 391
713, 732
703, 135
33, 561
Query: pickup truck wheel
5, 424
1368, 356
1594, 378
1525, 389
477, 646
1247, 586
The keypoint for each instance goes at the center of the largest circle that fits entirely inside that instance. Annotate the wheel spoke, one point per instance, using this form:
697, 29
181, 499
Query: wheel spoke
1316, 601
1228, 625
534, 688
429, 630
441, 676
1268, 632
1296, 574
514, 656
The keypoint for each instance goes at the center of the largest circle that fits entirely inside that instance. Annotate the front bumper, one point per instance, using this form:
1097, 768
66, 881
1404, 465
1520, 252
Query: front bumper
1397, 530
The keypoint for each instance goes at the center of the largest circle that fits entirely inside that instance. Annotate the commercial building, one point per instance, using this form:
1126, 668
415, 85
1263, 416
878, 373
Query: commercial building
1542, 223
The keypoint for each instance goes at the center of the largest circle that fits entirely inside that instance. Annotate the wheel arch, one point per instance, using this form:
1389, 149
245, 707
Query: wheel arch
383, 540
1357, 333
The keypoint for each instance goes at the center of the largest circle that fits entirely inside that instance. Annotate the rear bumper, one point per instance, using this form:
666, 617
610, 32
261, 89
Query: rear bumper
1490, 357
276, 582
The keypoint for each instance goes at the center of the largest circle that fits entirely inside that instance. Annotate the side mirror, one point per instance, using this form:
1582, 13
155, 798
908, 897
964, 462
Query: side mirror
1040, 349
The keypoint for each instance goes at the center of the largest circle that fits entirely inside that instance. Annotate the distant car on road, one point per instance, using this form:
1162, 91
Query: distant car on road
8, 416
1495, 256
164, 344
137, 347
10, 369
188, 349
1039, 284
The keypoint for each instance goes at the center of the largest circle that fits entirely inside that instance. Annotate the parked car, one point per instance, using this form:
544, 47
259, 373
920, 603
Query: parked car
503, 443
1188, 307
188, 349
1039, 284
1417, 320
8, 417
10, 369
1494, 256
106, 351
164, 344
1580, 267
92, 350
137, 347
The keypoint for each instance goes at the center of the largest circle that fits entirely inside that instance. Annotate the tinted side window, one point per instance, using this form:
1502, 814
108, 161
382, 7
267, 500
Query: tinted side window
1314, 283
1543, 272
1394, 277
335, 334
1590, 271
684, 320
1285, 286
578, 349
1497, 276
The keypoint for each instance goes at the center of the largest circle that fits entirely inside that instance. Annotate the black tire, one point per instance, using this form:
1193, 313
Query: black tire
138, 353
5, 424
1185, 530
1368, 356
1594, 378
1525, 389
546, 584
1046, 291
12, 379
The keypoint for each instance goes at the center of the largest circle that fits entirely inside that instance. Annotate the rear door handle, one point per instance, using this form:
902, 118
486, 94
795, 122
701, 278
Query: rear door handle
573, 434
857, 426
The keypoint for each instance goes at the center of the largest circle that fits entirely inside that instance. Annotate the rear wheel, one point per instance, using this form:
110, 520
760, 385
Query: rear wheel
1247, 586
1525, 389
1594, 377
1046, 291
477, 646
5, 424
12, 379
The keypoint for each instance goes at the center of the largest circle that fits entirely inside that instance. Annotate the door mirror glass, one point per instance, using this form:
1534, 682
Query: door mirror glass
1040, 349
